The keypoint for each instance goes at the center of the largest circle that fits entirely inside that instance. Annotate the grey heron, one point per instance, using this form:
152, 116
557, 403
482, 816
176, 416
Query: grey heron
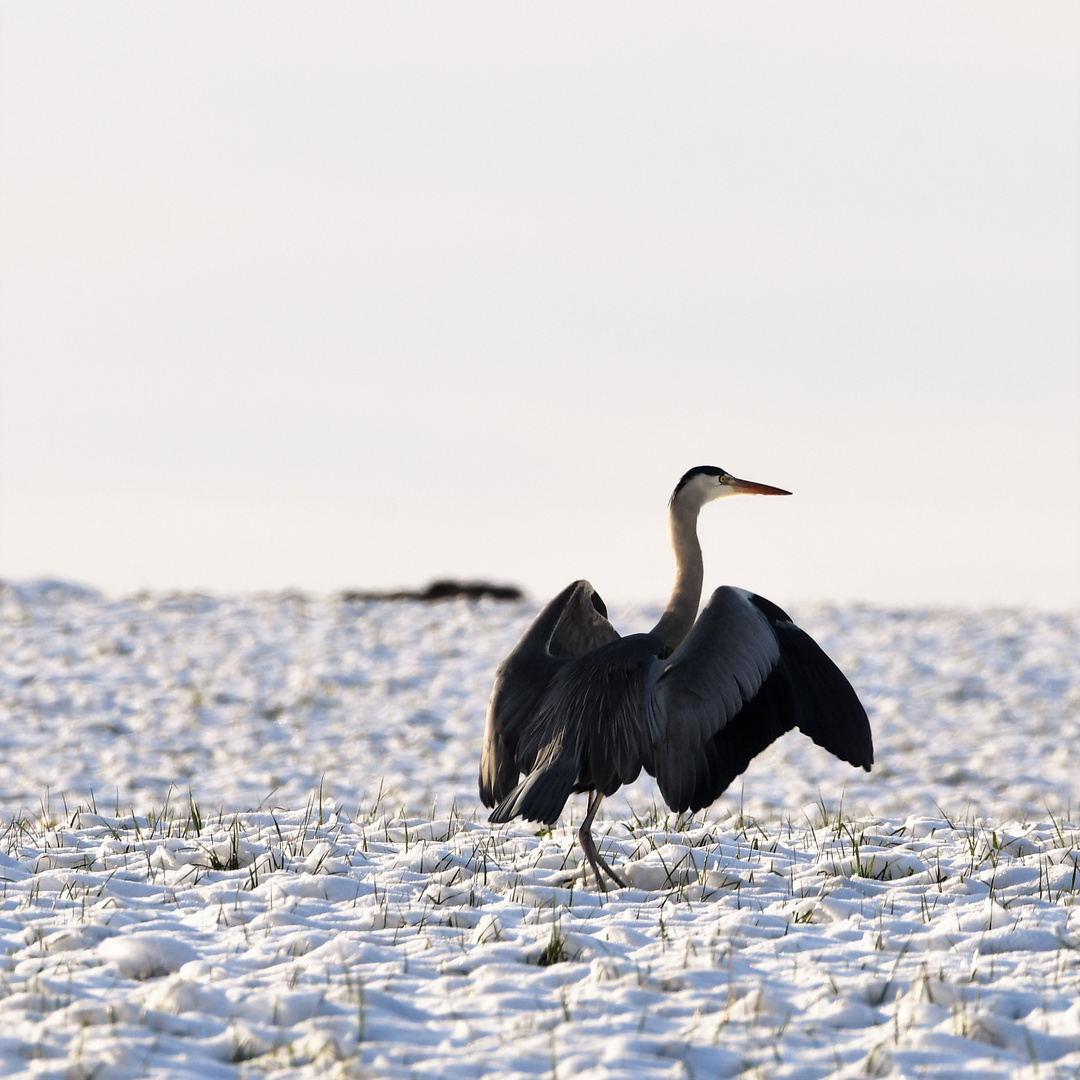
577, 708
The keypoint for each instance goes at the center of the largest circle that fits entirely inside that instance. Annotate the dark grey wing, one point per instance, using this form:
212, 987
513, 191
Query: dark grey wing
572, 623
745, 675
827, 709
721, 665
583, 625
590, 731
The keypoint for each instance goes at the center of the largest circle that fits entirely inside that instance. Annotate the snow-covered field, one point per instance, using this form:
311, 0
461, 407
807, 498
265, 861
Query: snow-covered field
241, 836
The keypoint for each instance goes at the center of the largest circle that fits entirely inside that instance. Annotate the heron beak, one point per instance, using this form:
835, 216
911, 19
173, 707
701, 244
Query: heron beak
748, 487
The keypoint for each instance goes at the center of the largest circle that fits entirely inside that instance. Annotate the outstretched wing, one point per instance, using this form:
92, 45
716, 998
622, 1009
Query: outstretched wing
744, 675
572, 624
588, 731
583, 625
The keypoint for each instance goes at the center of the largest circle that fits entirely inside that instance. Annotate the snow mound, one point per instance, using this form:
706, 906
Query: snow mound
145, 956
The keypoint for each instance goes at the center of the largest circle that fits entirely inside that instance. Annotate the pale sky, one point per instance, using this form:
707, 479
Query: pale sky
358, 295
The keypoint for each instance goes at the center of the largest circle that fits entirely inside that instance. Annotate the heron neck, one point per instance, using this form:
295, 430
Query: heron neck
682, 607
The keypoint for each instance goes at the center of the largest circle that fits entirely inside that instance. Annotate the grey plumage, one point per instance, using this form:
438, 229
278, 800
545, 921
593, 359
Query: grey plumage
577, 708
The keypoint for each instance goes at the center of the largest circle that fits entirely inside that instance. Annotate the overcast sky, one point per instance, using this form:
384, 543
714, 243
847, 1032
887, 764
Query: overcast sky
357, 295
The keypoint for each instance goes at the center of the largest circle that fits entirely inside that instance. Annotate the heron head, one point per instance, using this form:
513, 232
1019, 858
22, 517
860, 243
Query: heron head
704, 483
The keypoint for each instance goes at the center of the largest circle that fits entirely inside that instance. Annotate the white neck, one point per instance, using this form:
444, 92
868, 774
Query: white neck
682, 607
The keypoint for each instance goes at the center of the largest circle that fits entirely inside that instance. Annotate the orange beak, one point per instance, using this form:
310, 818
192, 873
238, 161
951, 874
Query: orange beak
748, 487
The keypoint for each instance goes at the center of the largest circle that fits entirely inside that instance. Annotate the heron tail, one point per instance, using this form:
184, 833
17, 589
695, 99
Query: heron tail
541, 795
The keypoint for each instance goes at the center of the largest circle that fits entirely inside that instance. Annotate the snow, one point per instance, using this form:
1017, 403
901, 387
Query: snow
241, 837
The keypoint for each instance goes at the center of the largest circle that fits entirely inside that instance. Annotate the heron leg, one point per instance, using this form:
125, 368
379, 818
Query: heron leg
588, 845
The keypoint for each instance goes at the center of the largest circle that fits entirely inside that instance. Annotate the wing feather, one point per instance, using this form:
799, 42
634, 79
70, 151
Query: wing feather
570, 625
583, 625
587, 732
744, 676
722, 663
828, 709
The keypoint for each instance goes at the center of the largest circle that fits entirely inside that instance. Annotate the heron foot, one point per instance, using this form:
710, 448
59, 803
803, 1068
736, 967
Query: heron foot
588, 845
